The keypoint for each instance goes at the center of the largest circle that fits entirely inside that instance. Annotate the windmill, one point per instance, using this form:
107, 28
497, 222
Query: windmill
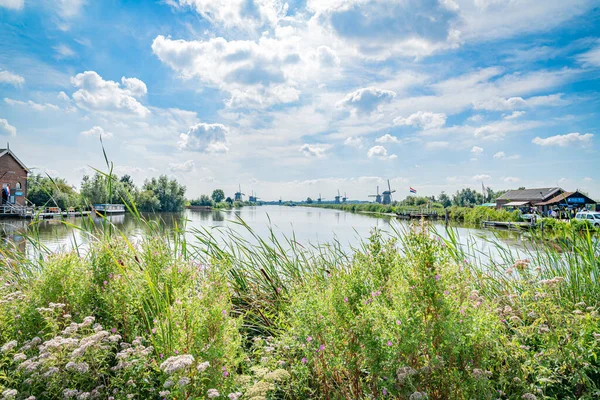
377, 196
387, 194
338, 197
320, 199
253, 198
345, 198
238, 195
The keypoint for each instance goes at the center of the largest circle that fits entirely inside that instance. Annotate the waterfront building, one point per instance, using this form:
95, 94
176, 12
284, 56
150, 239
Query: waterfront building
13, 177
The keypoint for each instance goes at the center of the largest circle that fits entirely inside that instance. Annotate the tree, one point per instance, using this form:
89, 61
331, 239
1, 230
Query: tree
170, 194
229, 200
43, 190
204, 200
309, 200
467, 198
218, 195
444, 200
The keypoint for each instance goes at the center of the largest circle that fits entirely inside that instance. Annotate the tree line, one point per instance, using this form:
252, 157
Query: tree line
156, 194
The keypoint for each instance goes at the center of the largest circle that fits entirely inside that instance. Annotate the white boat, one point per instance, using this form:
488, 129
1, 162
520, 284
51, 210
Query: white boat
109, 208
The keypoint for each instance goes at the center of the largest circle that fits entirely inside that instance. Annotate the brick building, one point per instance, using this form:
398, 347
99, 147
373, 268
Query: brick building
14, 173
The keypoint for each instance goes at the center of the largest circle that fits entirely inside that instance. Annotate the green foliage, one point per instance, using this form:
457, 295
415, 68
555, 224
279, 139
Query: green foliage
204, 200
170, 194
48, 191
410, 317
218, 195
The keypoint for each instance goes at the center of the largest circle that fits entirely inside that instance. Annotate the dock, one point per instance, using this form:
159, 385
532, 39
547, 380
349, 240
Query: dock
17, 211
507, 224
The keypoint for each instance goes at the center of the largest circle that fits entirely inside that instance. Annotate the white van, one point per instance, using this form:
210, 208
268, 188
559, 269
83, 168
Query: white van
593, 217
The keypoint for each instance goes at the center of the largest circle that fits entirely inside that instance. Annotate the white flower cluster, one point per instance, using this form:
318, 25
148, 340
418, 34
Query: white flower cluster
176, 363
212, 393
8, 346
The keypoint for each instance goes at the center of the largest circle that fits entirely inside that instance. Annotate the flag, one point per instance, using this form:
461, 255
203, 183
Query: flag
412, 190
483, 191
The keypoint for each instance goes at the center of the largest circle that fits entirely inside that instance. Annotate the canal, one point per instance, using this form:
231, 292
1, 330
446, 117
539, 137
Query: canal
308, 226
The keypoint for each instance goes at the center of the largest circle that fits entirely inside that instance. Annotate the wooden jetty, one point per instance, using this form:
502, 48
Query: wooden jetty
26, 212
418, 214
507, 225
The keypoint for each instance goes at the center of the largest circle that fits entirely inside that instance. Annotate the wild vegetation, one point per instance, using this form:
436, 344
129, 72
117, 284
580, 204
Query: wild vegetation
411, 316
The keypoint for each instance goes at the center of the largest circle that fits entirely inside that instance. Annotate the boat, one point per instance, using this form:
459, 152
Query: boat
109, 209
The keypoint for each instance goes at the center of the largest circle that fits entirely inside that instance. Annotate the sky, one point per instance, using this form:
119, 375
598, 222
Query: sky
292, 99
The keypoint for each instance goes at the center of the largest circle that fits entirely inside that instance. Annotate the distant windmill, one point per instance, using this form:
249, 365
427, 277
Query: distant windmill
338, 197
320, 199
280, 201
238, 195
253, 198
387, 194
377, 196
345, 198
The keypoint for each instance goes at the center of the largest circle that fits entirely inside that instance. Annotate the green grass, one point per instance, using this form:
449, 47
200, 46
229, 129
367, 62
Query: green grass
413, 316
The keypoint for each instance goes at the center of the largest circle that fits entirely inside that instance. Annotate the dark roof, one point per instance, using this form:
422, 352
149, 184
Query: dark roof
563, 197
540, 194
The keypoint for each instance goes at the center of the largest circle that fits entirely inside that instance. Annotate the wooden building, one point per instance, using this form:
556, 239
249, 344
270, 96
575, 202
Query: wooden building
13, 174
566, 200
527, 197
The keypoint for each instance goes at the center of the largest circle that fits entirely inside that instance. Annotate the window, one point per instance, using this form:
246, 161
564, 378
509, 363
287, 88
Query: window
590, 216
18, 185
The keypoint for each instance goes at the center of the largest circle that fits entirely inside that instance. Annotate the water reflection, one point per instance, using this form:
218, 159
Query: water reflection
307, 225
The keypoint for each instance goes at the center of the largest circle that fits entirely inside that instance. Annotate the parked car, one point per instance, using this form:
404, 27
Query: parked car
593, 217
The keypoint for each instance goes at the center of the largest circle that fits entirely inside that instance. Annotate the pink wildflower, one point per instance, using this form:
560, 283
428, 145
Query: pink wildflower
304, 360
308, 338
389, 343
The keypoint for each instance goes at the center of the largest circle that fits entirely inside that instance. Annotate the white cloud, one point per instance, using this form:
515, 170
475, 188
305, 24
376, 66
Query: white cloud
244, 15
423, 119
205, 138
387, 138
96, 94
252, 73
477, 150
366, 100
97, 131
588, 179
591, 58
381, 153
63, 51
11, 79
514, 115
327, 57
12, 4
312, 150
31, 104
69, 8
502, 156
354, 142
380, 28
481, 177
500, 104
565, 140
511, 179
6, 128
186, 166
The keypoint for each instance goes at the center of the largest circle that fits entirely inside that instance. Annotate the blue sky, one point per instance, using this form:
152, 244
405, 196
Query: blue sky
306, 97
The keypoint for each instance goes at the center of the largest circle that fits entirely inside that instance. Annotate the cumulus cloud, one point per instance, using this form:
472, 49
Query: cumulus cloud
476, 150
252, 72
12, 4
97, 131
354, 142
327, 57
514, 115
381, 153
387, 138
31, 104
379, 28
6, 128
423, 119
481, 177
186, 166
366, 100
512, 103
11, 79
502, 156
245, 15
565, 140
205, 138
313, 150
97, 94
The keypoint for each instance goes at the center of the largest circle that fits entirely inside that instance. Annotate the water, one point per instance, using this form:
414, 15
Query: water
308, 225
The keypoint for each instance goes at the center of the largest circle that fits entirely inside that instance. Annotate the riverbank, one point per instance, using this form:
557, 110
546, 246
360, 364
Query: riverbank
167, 317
